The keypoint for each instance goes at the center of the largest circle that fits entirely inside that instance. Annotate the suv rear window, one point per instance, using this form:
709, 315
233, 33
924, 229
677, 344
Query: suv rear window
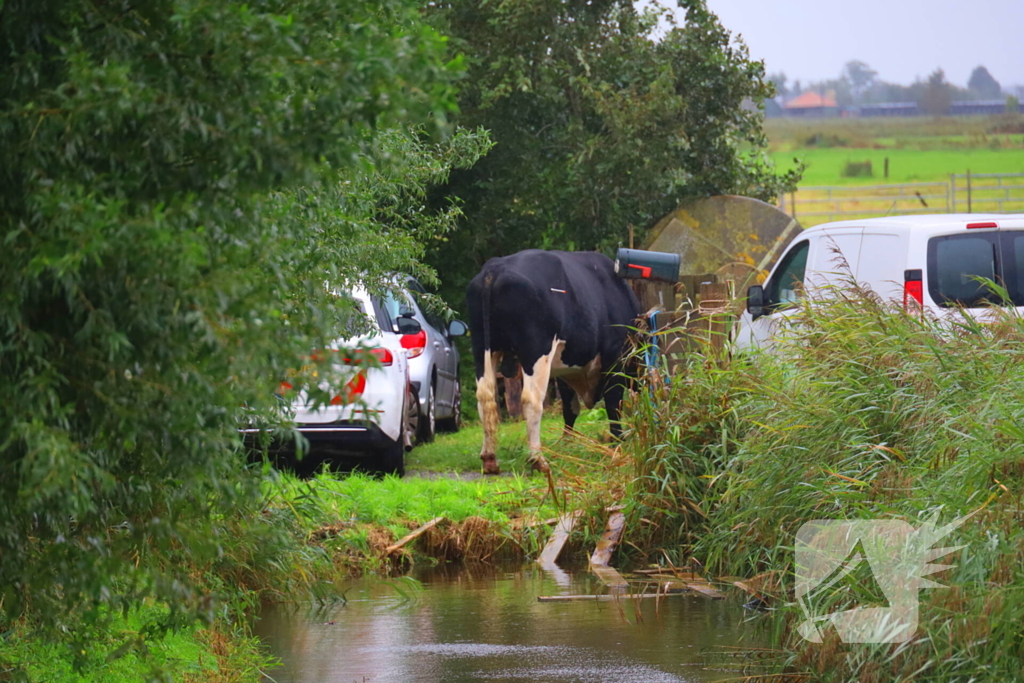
956, 262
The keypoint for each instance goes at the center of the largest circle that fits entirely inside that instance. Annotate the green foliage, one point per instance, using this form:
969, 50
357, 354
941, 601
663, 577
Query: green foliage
178, 180
936, 97
865, 412
983, 84
193, 653
597, 123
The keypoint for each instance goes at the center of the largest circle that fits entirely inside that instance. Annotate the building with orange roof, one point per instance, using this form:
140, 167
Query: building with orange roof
813, 104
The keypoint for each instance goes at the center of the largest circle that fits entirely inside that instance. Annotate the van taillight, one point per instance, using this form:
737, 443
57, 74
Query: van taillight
975, 226
913, 287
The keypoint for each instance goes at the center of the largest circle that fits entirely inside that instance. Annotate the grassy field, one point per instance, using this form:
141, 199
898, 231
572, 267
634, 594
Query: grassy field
918, 149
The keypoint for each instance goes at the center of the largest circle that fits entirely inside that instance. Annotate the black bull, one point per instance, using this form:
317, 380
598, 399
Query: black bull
558, 314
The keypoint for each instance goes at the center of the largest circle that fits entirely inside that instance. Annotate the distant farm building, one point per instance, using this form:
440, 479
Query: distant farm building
887, 109
968, 107
813, 105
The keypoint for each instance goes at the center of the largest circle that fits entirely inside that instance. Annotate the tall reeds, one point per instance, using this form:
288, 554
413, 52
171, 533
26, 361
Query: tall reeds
860, 411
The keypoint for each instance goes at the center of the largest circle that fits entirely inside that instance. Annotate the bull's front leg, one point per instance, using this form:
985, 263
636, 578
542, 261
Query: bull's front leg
487, 404
612, 403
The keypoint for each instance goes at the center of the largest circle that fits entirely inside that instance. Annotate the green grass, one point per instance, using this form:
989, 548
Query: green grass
460, 452
349, 518
115, 653
397, 504
824, 166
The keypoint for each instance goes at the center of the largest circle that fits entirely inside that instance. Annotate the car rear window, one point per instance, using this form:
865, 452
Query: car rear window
389, 308
957, 264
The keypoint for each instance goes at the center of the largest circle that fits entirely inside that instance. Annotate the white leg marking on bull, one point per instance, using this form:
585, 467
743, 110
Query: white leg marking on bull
487, 404
535, 384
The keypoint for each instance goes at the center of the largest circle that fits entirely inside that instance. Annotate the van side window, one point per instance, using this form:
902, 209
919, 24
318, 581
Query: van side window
954, 264
786, 286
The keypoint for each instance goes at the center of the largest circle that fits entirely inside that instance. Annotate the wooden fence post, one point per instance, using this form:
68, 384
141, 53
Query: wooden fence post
969, 191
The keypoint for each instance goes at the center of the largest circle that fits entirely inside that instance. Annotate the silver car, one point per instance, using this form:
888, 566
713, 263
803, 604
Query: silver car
433, 360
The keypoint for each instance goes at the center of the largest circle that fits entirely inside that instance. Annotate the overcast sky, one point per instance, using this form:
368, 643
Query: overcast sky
902, 40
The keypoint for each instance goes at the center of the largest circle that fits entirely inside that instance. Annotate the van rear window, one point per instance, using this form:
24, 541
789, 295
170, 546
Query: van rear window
958, 264
1016, 243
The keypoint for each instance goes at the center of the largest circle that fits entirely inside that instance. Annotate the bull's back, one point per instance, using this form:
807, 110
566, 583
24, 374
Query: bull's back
525, 299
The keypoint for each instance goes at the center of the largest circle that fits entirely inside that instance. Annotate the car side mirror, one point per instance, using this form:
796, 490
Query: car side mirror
755, 301
409, 325
457, 328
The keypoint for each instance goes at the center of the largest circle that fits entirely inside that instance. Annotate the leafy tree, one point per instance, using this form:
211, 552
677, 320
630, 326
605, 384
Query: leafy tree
164, 266
983, 84
779, 81
597, 125
936, 96
860, 77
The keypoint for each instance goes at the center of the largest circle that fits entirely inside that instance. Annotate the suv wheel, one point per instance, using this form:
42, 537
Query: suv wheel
391, 459
412, 419
453, 423
427, 425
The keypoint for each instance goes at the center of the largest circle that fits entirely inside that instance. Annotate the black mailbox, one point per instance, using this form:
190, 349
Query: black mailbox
647, 265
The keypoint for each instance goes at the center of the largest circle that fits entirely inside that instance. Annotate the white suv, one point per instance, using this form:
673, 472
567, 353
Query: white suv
370, 412
928, 261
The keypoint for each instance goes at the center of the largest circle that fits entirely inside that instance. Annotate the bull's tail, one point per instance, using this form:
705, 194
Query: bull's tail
486, 384
486, 307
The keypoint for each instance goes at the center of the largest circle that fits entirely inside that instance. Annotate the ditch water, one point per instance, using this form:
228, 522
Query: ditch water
486, 624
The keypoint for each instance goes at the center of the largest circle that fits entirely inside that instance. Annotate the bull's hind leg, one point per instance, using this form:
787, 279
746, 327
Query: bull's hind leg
487, 403
535, 385
570, 405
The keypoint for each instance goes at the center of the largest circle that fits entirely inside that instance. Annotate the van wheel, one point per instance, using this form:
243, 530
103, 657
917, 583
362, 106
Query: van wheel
427, 426
453, 423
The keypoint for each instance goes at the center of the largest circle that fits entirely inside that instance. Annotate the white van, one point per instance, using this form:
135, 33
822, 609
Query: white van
930, 261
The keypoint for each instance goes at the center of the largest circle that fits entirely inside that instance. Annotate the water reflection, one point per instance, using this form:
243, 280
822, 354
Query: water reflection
485, 624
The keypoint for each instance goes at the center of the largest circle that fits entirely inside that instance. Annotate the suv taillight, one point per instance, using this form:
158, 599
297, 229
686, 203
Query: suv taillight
913, 288
384, 357
353, 390
414, 343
